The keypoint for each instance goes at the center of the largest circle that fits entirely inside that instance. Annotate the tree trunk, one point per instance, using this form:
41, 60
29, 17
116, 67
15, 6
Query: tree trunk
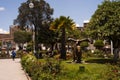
116, 43
116, 50
37, 48
52, 50
63, 43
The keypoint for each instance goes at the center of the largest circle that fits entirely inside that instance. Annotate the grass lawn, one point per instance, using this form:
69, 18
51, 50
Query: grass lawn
89, 71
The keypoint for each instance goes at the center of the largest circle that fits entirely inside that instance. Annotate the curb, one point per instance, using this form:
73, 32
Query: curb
28, 77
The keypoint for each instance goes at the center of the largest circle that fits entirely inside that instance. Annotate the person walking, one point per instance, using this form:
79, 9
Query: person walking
13, 55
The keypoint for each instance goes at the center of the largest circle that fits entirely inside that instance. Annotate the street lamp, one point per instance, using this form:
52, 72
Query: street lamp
31, 6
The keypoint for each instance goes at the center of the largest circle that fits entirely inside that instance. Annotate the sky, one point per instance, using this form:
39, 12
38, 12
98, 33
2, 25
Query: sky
78, 10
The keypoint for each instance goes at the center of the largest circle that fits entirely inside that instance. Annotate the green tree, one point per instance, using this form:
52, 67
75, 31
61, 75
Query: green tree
46, 35
105, 22
40, 13
37, 17
22, 37
74, 34
60, 25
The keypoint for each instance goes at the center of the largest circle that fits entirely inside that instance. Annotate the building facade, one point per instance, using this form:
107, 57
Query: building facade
7, 40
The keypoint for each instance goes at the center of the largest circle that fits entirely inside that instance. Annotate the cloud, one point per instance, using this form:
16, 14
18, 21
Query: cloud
77, 25
86, 21
2, 8
3, 31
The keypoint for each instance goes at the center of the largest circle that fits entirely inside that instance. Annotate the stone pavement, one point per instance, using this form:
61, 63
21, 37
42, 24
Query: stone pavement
11, 70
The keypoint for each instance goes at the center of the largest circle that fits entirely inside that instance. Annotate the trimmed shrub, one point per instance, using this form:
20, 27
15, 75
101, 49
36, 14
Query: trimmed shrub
99, 44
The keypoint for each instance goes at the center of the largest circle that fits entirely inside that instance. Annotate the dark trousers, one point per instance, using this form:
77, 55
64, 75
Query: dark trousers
13, 57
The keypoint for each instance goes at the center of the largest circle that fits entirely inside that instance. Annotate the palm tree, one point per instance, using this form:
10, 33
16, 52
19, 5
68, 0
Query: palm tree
62, 24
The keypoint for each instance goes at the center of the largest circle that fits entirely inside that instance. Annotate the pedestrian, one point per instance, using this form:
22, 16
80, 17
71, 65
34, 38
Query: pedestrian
13, 55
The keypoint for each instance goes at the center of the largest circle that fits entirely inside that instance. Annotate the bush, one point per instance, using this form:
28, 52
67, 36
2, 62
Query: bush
87, 54
37, 70
99, 53
19, 53
99, 44
29, 47
84, 45
26, 60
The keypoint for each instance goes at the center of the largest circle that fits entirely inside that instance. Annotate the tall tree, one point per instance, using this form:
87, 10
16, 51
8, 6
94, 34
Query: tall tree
105, 22
61, 25
40, 13
35, 17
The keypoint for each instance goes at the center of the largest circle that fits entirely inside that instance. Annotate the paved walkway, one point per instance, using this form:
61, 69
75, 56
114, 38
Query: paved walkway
11, 70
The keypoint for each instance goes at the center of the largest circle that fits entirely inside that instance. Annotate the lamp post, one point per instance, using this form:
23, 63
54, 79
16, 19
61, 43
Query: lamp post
35, 45
33, 38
